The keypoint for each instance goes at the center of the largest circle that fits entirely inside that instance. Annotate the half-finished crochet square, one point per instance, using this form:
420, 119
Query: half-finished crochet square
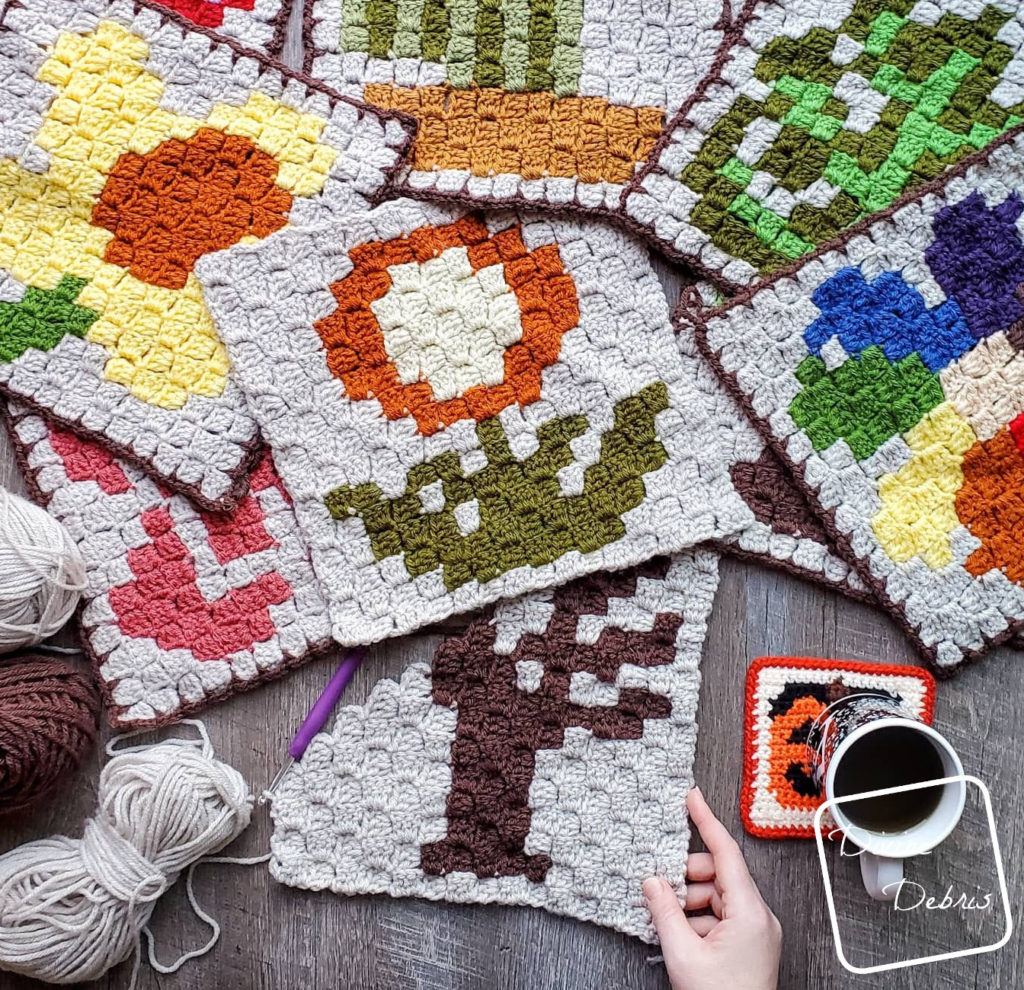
888, 371
131, 145
824, 112
182, 607
542, 759
467, 409
784, 697
520, 101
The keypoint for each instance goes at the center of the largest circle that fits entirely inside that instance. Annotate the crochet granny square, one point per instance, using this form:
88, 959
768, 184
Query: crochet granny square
466, 408
131, 145
888, 371
182, 607
520, 101
784, 696
254, 23
542, 759
824, 112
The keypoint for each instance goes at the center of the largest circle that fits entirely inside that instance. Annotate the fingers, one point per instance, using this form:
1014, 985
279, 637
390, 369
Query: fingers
700, 867
702, 895
704, 924
730, 867
673, 929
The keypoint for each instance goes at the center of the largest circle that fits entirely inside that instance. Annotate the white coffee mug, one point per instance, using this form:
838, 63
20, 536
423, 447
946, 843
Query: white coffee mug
882, 853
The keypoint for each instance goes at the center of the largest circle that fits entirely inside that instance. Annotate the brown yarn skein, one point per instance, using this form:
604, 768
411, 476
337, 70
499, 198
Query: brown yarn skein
49, 715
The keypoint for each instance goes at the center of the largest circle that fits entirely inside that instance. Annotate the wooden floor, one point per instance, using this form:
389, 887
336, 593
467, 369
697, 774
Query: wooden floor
280, 938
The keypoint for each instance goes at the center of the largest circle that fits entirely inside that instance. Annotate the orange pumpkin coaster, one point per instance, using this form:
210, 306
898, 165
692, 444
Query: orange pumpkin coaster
784, 695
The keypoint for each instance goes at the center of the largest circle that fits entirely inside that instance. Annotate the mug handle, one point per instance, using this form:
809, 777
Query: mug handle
882, 876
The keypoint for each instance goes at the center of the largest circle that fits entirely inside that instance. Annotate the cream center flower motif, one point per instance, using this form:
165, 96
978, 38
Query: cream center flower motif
448, 325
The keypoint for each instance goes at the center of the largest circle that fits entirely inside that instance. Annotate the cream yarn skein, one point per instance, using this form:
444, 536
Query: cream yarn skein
42, 573
70, 909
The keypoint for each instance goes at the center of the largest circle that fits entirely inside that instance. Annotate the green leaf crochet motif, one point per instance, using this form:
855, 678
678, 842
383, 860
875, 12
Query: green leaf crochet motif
524, 519
865, 401
43, 317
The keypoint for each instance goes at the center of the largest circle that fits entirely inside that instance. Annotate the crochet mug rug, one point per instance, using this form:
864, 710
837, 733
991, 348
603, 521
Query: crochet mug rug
543, 758
466, 409
823, 112
182, 607
784, 696
887, 370
520, 102
130, 145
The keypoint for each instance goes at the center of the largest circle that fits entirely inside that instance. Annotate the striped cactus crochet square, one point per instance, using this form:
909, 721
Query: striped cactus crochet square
469, 408
520, 101
254, 23
887, 371
784, 696
822, 113
542, 759
182, 607
130, 145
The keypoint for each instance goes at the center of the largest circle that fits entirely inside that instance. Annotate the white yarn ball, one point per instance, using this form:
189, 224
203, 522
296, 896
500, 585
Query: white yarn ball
70, 909
42, 573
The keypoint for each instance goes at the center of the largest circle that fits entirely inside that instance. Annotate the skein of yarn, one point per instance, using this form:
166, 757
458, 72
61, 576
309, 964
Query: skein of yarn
42, 573
70, 909
49, 716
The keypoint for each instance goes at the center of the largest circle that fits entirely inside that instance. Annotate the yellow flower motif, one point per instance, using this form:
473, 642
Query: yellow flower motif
918, 511
82, 216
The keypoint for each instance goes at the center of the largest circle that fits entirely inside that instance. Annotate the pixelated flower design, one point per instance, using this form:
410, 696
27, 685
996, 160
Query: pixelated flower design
104, 228
947, 380
449, 322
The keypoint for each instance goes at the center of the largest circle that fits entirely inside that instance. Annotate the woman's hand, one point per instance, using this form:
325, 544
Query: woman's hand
735, 948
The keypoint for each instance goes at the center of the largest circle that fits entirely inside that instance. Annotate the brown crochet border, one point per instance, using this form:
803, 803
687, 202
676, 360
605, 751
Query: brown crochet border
615, 215
842, 542
239, 474
96, 660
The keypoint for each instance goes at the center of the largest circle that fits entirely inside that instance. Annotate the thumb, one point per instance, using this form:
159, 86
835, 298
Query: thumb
674, 931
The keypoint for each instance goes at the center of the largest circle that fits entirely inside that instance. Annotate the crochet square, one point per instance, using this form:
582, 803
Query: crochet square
823, 112
784, 696
785, 532
182, 607
520, 101
469, 408
254, 23
887, 370
130, 145
543, 758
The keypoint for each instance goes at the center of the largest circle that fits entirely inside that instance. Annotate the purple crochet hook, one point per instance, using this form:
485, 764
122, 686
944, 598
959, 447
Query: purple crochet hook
318, 714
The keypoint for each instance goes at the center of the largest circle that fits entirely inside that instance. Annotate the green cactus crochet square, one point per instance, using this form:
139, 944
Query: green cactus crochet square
824, 114
467, 408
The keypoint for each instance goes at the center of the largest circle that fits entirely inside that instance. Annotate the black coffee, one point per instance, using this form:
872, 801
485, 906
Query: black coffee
889, 757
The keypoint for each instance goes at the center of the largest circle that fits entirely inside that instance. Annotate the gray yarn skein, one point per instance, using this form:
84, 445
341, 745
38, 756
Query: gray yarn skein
70, 909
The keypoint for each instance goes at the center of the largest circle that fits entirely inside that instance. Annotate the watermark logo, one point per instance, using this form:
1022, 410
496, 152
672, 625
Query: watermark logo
910, 895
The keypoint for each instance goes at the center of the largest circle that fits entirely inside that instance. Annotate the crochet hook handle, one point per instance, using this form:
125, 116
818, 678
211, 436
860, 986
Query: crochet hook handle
317, 716
321, 710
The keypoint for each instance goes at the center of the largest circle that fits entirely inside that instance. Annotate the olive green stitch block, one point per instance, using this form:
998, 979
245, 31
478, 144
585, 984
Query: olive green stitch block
524, 518
937, 82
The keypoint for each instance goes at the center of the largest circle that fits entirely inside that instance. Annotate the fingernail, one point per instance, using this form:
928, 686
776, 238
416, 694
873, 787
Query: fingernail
697, 789
652, 886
